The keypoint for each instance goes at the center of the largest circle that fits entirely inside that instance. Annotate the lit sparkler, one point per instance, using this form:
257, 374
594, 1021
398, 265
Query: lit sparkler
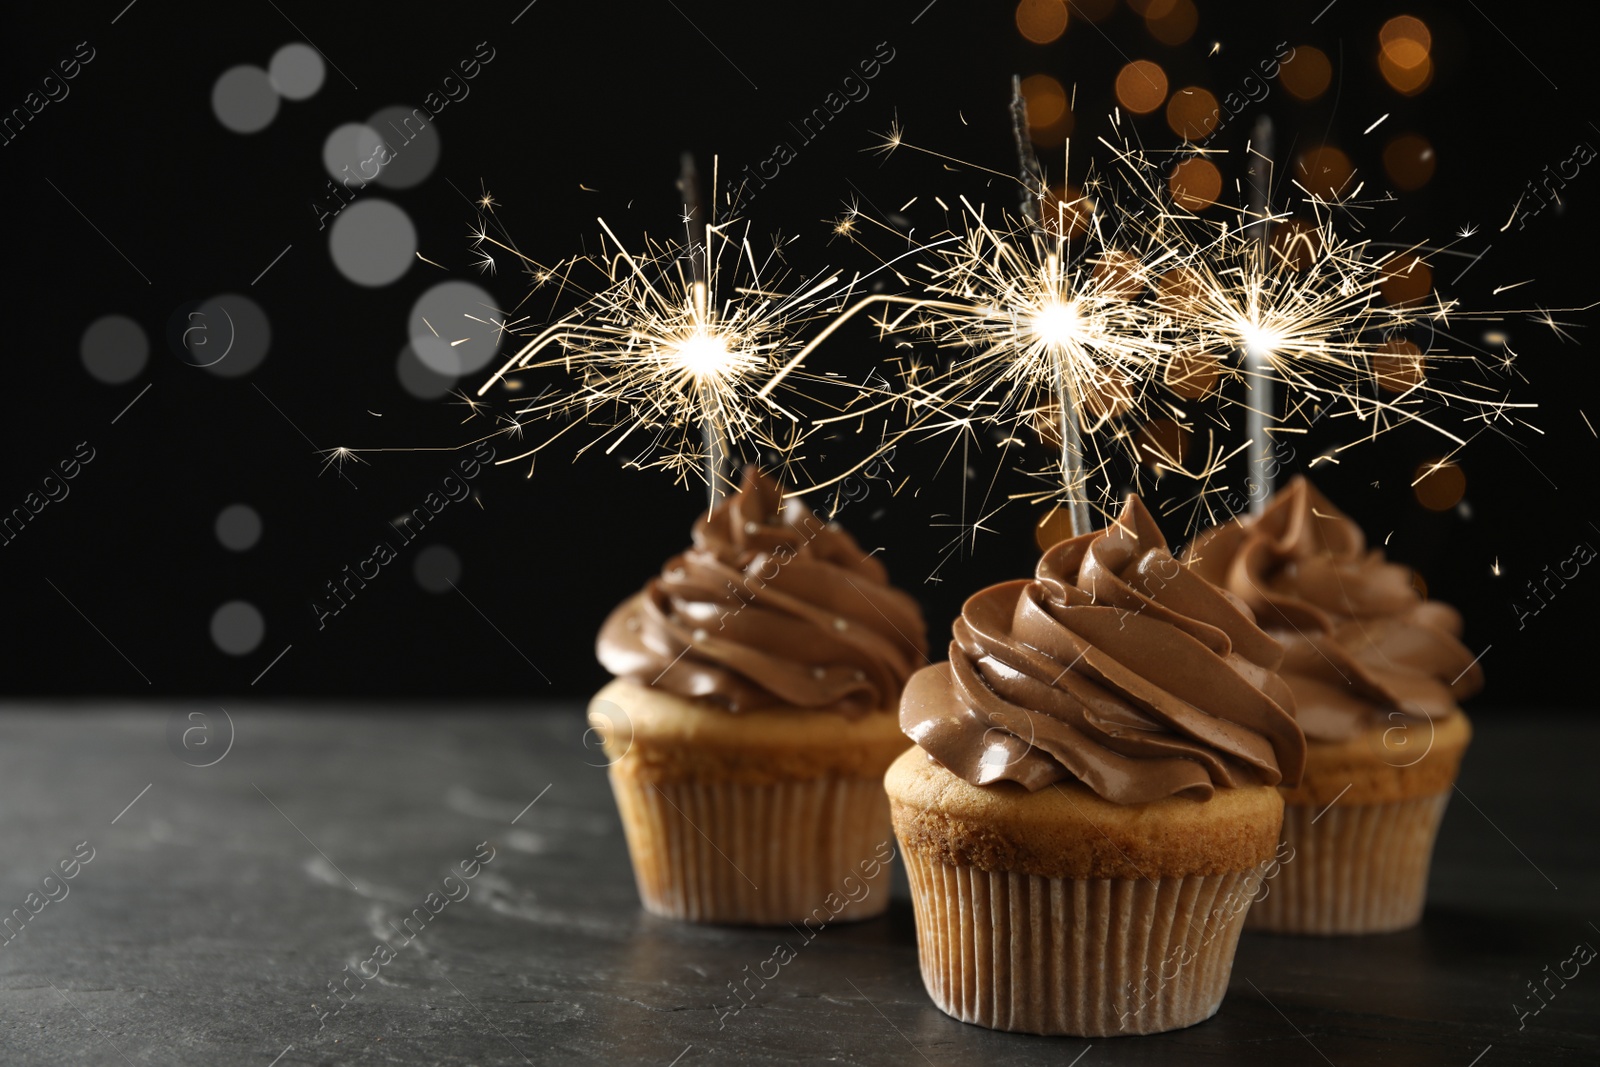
1037, 327
685, 356
668, 358
1091, 323
1125, 299
1043, 327
1327, 320
1307, 313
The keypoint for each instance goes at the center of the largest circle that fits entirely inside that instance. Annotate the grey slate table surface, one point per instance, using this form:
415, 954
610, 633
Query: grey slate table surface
218, 907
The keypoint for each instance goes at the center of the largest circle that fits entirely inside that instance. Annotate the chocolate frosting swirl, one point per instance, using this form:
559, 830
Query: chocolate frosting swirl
1113, 666
771, 608
1360, 642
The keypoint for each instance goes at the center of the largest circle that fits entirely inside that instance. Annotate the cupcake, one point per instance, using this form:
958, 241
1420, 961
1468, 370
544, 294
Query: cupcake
752, 717
1376, 671
1093, 794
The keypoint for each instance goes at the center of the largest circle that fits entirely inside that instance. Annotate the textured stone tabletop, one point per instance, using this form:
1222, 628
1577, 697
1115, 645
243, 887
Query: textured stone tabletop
211, 909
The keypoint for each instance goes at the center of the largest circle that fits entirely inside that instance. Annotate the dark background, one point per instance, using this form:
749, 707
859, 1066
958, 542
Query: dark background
111, 590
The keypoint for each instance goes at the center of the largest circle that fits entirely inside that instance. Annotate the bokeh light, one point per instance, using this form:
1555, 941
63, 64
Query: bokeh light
1405, 54
413, 144
1192, 375
1047, 100
114, 349
1192, 113
445, 338
1049, 118
372, 242
228, 335
1440, 485
1407, 280
237, 627
1409, 161
350, 153
1307, 73
437, 569
1141, 86
1066, 208
1406, 41
1176, 22
296, 71
1195, 184
1177, 285
419, 379
1042, 21
1118, 275
1406, 82
244, 100
1325, 171
238, 527
1162, 445
1399, 366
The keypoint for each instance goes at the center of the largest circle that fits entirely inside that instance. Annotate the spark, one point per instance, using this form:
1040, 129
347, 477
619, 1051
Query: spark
1513, 216
1587, 423
845, 224
1310, 306
474, 406
1130, 307
666, 348
338, 457
513, 428
1467, 230
1141, 307
1021, 313
890, 140
1546, 318
1376, 124
1506, 363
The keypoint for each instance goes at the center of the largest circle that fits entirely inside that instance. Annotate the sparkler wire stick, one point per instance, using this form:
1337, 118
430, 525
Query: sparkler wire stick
1263, 397
698, 249
1074, 480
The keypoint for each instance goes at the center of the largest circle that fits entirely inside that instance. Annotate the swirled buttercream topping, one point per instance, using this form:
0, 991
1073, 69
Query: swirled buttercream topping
1360, 642
1113, 666
772, 607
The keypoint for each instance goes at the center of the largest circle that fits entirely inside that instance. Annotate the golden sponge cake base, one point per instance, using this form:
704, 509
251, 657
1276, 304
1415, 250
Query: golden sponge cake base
1360, 828
1058, 912
761, 817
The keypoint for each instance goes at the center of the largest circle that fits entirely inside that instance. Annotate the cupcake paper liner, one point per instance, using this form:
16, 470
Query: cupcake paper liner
762, 854
1088, 958
1357, 869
